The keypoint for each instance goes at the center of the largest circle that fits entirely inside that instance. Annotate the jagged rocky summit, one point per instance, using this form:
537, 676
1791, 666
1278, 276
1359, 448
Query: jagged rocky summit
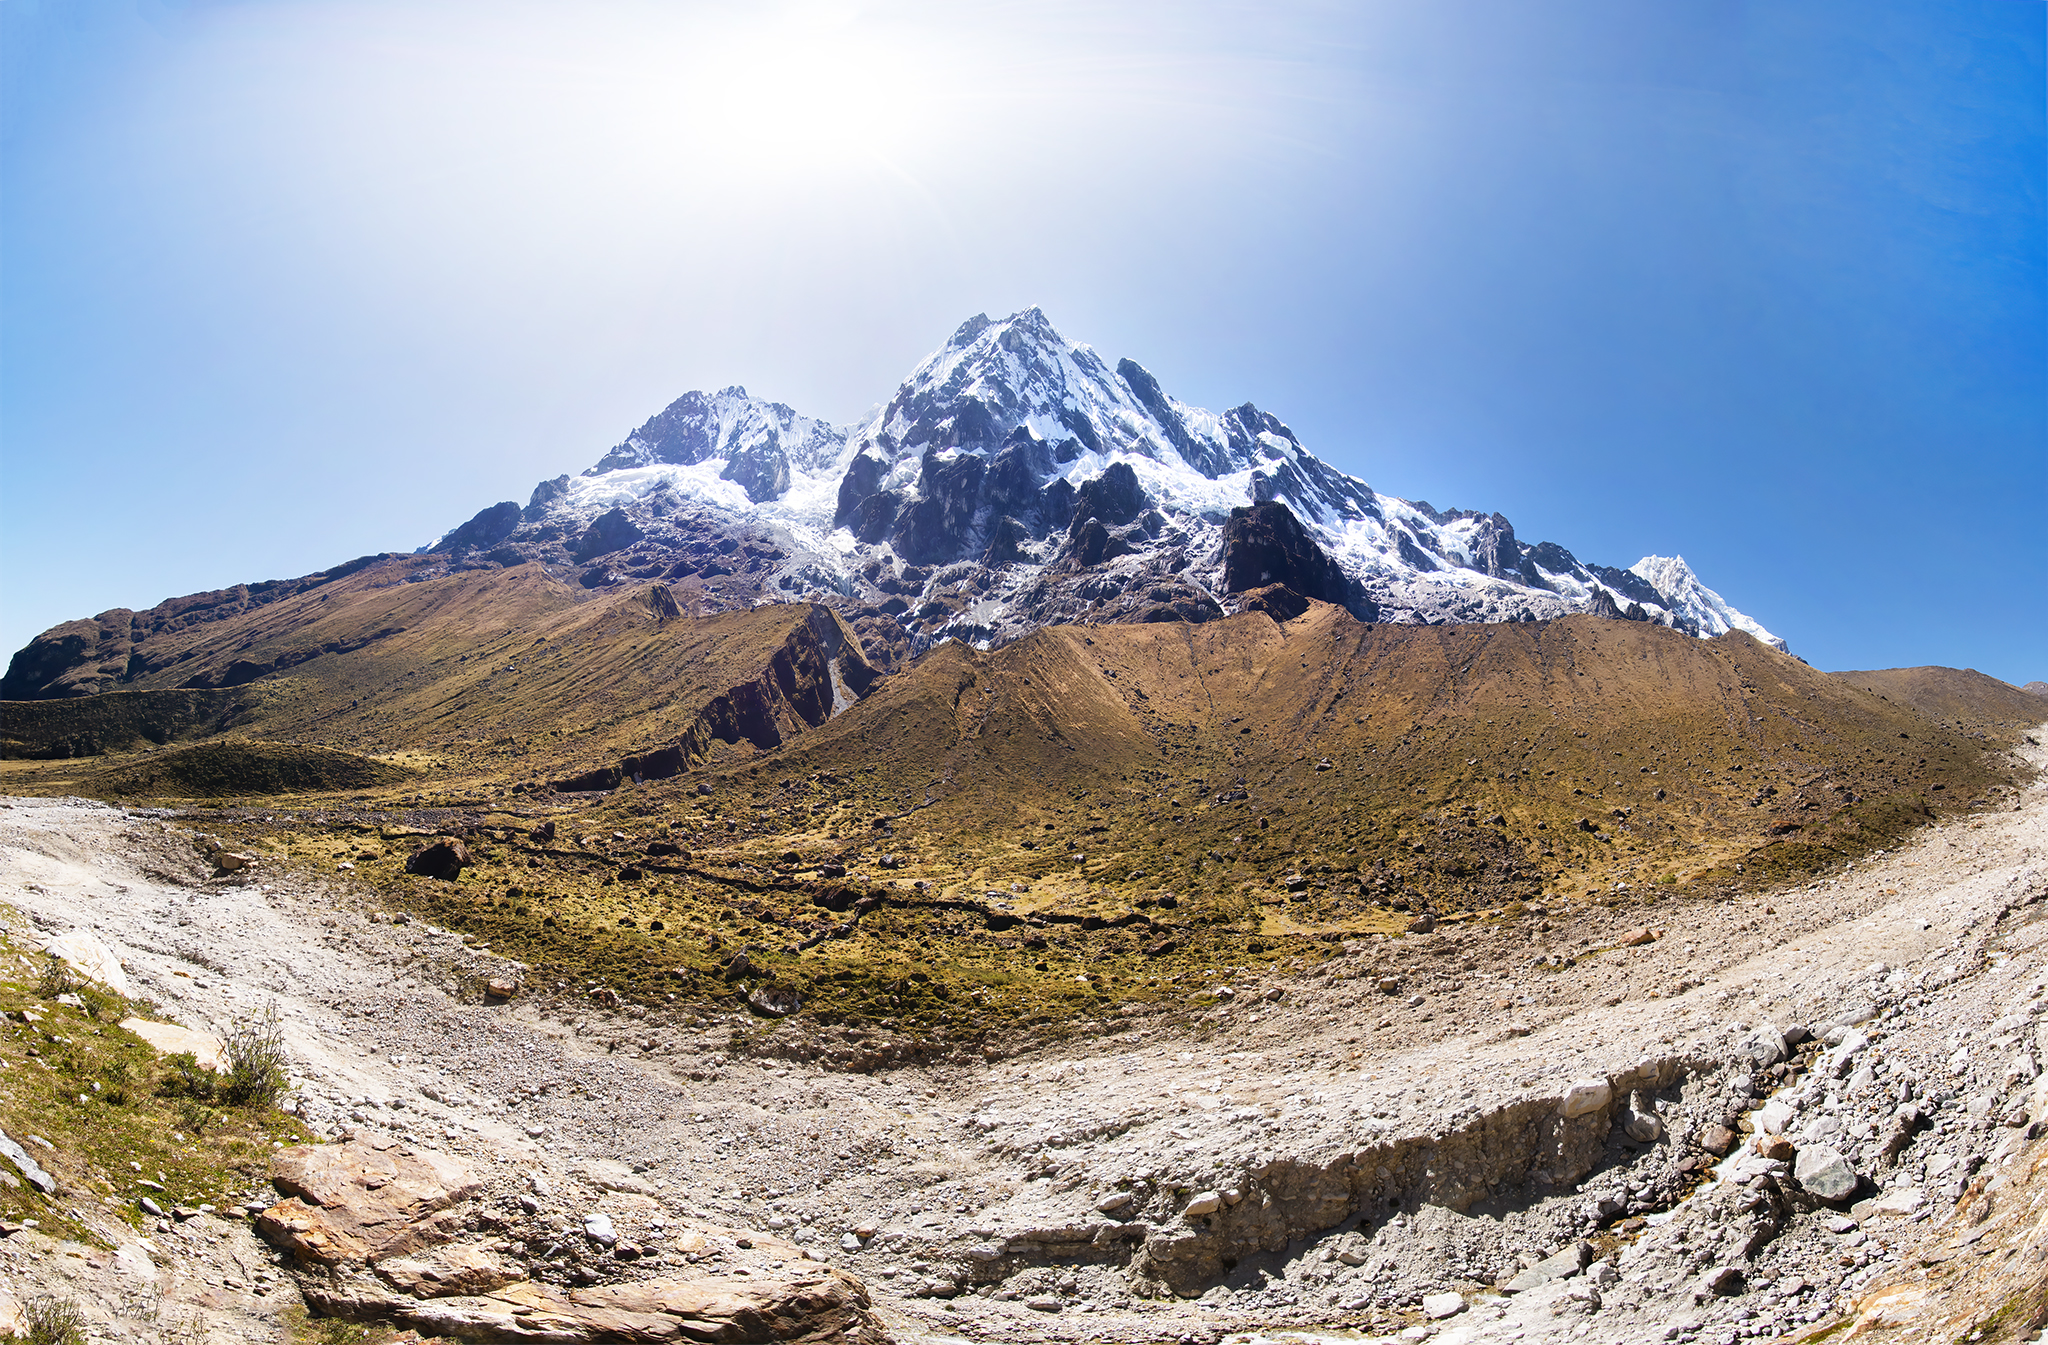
1017, 480
1014, 480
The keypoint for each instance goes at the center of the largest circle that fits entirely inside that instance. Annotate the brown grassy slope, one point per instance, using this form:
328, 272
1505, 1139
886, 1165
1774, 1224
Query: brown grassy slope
1059, 820
1959, 697
1465, 763
489, 676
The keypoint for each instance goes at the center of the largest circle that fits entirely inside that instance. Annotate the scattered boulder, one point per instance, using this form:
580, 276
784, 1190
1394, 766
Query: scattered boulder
1438, 1306
1825, 1174
1640, 1124
774, 1001
444, 860
91, 959
1762, 1047
34, 1171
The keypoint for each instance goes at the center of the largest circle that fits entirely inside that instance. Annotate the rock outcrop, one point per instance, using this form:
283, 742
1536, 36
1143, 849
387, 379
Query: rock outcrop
377, 1230
445, 860
1265, 544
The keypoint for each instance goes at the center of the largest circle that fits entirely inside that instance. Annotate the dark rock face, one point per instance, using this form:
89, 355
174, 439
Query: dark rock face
936, 528
863, 478
610, 531
873, 517
444, 860
1627, 583
490, 527
762, 470
545, 494
1146, 389
1012, 484
1604, 606
1266, 544
1113, 497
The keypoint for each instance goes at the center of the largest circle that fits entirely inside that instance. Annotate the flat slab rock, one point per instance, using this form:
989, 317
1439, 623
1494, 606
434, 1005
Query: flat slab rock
827, 1307
364, 1200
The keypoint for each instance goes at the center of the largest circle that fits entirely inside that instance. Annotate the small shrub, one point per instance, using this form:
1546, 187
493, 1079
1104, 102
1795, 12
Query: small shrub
98, 1004
119, 1082
190, 1079
255, 1057
56, 978
54, 1321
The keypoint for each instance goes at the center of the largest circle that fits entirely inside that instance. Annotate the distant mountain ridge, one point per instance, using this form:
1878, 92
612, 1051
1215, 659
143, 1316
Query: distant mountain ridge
1015, 480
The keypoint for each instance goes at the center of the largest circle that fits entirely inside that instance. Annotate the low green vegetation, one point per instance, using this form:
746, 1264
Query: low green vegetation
110, 1117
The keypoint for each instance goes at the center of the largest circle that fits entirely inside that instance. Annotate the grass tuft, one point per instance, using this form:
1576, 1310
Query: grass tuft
54, 1321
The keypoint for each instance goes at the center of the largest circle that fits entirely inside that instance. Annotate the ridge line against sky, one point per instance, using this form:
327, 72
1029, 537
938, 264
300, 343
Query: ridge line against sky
287, 281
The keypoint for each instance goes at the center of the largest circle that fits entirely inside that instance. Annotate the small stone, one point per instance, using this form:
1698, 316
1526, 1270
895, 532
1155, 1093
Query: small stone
597, 1226
1774, 1147
1763, 1047
1043, 1303
151, 1207
849, 1243
1422, 924
1582, 1097
1724, 1280
1899, 1202
1439, 1306
1561, 1266
1207, 1202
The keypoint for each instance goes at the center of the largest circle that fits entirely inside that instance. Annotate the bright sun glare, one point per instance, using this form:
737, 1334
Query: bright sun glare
817, 92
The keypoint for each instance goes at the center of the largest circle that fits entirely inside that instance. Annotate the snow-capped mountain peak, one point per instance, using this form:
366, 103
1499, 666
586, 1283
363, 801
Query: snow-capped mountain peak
1018, 479
1690, 601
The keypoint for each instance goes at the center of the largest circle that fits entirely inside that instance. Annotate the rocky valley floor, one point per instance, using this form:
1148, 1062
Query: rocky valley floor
1702, 1120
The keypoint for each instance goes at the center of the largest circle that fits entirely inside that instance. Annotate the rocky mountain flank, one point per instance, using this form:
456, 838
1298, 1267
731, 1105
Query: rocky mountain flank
1015, 480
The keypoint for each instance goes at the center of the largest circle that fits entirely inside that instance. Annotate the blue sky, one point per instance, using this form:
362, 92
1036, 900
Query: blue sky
285, 282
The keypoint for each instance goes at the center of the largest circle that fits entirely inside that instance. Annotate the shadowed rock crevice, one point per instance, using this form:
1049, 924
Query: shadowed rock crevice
817, 671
